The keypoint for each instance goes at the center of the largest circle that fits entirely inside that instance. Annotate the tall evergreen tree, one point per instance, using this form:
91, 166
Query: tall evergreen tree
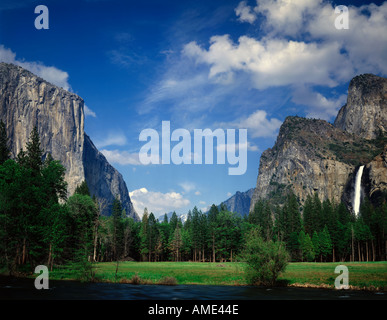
144, 235
306, 246
83, 188
176, 242
212, 224
317, 214
4, 146
308, 217
117, 228
325, 243
34, 152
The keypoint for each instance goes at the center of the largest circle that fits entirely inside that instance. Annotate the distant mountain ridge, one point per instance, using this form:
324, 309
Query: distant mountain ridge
27, 100
240, 202
182, 217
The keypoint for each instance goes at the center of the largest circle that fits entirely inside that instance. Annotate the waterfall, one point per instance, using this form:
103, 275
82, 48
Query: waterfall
356, 200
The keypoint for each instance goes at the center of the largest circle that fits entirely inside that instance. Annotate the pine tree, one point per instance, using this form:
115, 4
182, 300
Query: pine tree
308, 215
4, 147
34, 152
83, 188
254, 216
306, 247
176, 242
316, 243
212, 224
153, 234
293, 214
117, 229
317, 221
144, 234
82, 211
325, 243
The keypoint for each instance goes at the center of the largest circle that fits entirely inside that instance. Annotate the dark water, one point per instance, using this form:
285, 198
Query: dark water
24, 289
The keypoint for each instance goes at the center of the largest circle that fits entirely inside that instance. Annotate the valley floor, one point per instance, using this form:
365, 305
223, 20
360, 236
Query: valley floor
362, 275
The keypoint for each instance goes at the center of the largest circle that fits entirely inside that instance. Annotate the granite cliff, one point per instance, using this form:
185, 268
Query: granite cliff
365, 113
313, 155
27, 100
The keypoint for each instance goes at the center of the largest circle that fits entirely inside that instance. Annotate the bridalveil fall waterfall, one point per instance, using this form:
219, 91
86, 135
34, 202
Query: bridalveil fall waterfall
356, 200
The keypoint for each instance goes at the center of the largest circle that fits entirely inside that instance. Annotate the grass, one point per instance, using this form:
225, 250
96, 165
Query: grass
362, 275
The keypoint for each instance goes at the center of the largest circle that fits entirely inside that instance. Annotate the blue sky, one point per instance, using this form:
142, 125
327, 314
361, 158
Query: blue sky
198, 64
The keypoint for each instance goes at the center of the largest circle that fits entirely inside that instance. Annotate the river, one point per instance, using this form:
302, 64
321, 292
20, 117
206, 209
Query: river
24, 289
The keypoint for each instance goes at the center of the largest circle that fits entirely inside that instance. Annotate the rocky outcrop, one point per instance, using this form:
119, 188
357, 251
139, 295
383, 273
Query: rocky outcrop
365, 113
105, 180
27, 100
377, 175
240, 202
315, 156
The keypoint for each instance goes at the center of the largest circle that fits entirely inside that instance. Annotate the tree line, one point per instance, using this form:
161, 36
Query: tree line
325, 231
39, 224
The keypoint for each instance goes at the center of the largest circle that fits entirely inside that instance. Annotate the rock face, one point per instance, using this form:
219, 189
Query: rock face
365, 113
240, 202
103, 179
376, 177
315, 156
27, 100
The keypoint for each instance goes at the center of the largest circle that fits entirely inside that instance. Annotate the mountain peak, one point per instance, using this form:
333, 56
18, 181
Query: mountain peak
365, 113
312, 155
27, 100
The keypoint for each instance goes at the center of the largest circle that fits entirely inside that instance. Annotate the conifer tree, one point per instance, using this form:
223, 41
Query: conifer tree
4, 147
34, 152
308, 215
83, 188
117, 228
144, 234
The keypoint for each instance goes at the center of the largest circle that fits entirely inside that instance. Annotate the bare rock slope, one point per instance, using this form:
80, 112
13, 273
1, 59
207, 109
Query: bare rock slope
27, 100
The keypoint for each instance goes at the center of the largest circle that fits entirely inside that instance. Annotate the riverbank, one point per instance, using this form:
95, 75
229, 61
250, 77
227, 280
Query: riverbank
370, 276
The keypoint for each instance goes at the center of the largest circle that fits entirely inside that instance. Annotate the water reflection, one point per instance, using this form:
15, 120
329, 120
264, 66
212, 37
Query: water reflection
20, 289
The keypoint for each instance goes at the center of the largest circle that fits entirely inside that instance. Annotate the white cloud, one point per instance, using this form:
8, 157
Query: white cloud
364, 43
187, 186
271, 62
121, 157
316, 19
48, 73
157, 202
257, 125
245, 13
318, 106
116, 138
236, 147
197, 193
299, 46
89, 112
287, 17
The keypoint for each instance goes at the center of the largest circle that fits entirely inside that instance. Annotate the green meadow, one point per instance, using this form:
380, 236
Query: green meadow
362, 275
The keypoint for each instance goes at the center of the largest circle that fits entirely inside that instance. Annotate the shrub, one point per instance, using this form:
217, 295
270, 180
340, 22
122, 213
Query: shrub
265, 260
168, 281
136, 279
